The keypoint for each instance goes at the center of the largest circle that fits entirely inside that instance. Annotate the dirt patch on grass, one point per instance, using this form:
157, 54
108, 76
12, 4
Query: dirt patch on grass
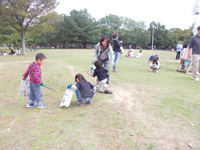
164, 134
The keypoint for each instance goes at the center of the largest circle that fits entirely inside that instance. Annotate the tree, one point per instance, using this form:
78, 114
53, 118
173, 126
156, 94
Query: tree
109, 24
80, 28
40, 33
8, 35
22, 14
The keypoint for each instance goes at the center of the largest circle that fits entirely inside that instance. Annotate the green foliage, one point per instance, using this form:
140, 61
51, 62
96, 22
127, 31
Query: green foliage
22, 14
79, 27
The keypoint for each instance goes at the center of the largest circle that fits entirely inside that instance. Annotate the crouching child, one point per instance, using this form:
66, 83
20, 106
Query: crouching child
155, 65
102, 75
84, 90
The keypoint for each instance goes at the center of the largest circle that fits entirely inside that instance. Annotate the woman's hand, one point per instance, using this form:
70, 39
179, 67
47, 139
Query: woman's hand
94, 59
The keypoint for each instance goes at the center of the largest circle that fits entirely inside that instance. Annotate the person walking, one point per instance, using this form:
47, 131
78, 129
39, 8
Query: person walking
179, 48
104, 53
194, 46
116, 49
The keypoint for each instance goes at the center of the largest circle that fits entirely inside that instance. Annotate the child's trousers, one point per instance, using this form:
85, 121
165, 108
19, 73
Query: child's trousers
78, 95
35, 94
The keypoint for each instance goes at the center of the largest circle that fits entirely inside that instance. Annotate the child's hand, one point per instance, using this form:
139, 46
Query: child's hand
107, 75
69, 86
23, 77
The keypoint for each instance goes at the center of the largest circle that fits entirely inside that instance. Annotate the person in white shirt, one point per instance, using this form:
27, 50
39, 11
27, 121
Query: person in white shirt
139, 54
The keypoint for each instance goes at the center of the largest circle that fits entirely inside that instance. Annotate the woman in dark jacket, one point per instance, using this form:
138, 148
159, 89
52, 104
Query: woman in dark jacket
116, 49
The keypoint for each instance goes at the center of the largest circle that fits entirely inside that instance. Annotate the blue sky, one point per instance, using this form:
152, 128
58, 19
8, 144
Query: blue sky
172, 13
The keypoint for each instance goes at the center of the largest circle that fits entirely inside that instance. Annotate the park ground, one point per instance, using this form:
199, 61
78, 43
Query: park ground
147, 111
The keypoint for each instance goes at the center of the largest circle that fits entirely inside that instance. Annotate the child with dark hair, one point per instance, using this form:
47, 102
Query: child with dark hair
139, 54
83, 90
155, 65
102, 75
184, 56
34, 72
153, 57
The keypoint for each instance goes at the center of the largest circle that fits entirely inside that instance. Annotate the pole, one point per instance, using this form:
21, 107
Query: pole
152, 39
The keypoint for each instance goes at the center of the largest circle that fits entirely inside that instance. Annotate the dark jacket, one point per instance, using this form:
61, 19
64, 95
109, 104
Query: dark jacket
116, 45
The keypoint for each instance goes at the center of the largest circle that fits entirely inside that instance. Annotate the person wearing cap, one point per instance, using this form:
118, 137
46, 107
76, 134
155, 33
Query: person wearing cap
194, 46
179, 48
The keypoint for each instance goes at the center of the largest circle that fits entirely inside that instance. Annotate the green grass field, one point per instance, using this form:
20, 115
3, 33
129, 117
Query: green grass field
147, 111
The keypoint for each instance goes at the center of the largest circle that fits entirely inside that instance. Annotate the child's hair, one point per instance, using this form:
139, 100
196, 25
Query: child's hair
97, 64
185, 45
40, 56
114, 35
141, 51
80, 77
155, 59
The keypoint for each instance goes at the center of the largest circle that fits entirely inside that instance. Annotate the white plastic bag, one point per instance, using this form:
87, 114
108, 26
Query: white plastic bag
24, 89
121, 50
67, 98
92, 67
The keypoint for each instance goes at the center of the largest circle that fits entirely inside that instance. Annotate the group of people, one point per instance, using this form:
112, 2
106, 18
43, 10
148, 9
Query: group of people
3, 53
85, 91
34, 48
193, 53
12, 52
104, 54
130, 54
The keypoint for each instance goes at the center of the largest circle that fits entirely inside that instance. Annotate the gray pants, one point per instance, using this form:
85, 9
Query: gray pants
101, 84
35, 94
195, 61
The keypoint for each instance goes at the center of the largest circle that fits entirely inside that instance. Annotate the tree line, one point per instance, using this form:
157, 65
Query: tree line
34, 23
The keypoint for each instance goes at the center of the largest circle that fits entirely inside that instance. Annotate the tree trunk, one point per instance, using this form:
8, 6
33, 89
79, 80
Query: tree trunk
23, 43
9, 46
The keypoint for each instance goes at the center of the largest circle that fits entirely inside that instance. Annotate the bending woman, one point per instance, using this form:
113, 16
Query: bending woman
104, 53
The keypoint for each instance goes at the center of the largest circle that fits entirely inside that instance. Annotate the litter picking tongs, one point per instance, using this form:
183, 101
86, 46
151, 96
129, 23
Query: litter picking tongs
48, 87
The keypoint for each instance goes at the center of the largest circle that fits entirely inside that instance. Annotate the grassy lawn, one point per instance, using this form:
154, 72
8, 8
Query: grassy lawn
147, 111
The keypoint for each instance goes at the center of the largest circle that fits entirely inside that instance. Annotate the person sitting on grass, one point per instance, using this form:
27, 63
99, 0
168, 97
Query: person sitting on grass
12, 52
101, 74
139, 54
130, 53
83, 90
155, 65
4, 53
34, 72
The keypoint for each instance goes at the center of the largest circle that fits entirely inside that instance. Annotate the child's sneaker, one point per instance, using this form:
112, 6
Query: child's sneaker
156, 71
89, 102
29, 105
108, 91
42, 106
79, 103
106, 85
152, 70
97, 85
